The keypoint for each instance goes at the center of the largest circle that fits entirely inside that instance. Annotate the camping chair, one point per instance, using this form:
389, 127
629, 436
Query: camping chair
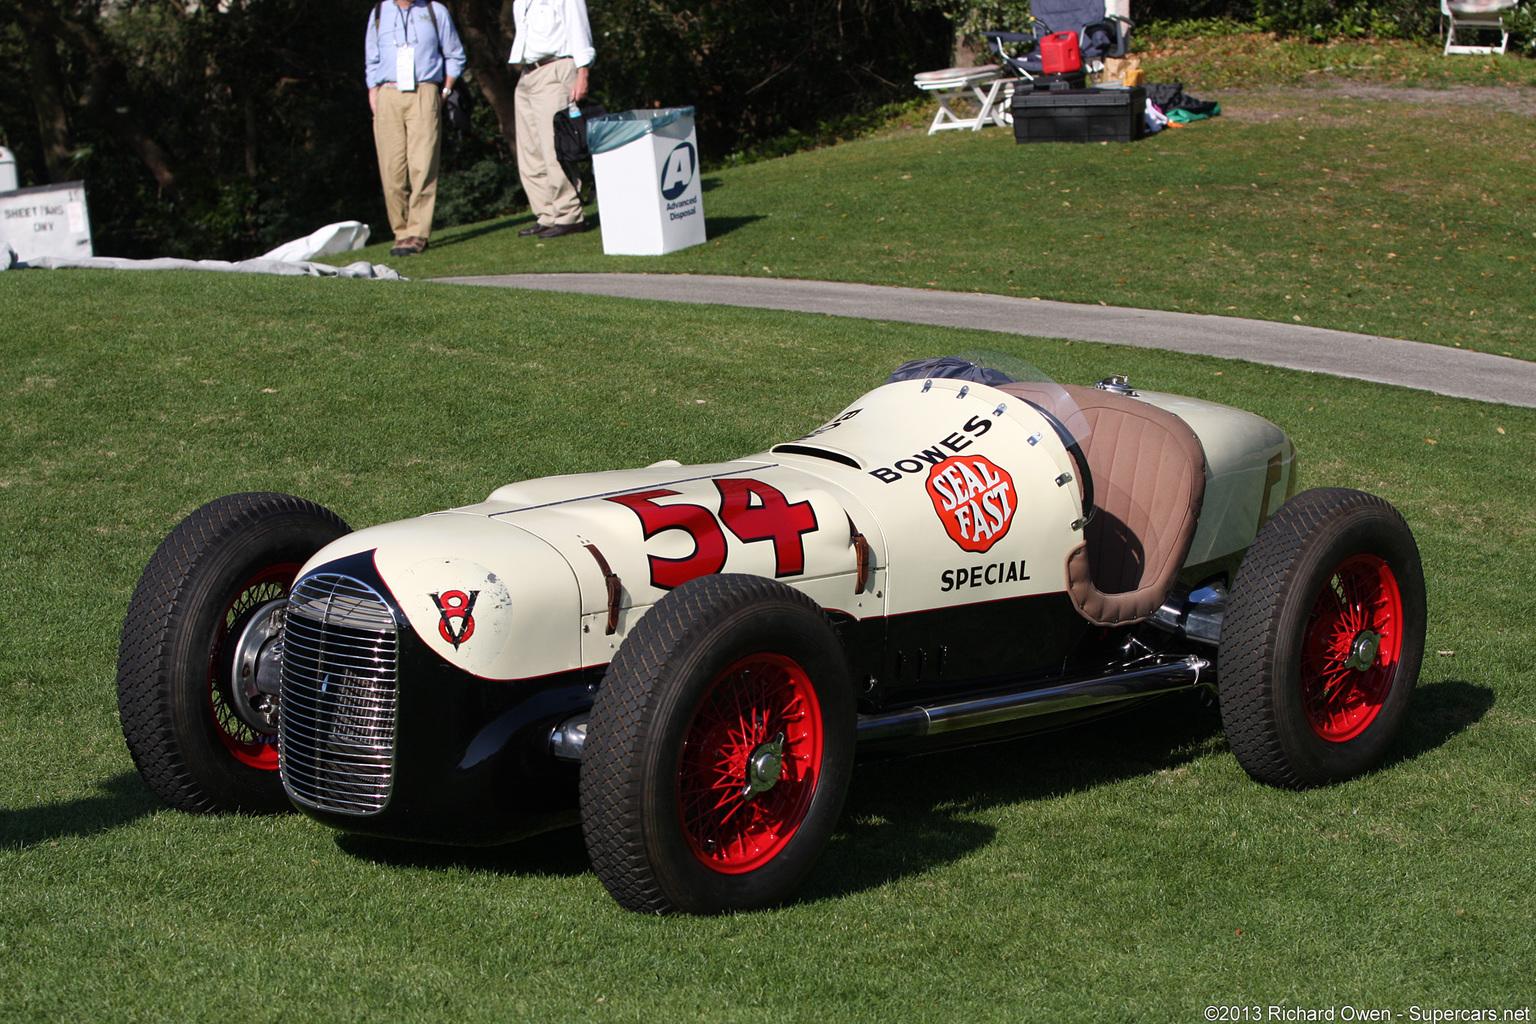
987, 84
1103, 29
1474, 15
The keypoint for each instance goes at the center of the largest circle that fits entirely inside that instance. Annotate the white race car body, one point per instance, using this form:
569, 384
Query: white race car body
953, 487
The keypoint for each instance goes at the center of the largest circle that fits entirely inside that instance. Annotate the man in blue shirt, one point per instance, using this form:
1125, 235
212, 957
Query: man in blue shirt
413, 57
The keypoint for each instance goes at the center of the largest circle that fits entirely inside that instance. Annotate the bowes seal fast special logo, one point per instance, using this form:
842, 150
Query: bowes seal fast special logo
974, 498
455, 604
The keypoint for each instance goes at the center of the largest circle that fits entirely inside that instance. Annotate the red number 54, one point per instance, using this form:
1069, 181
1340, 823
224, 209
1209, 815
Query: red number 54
750, 509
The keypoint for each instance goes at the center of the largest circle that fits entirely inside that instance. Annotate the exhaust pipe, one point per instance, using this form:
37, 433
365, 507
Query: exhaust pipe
568, 739
911, 723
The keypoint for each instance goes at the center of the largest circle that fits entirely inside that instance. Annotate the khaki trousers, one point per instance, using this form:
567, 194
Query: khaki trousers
407, 135
541, 94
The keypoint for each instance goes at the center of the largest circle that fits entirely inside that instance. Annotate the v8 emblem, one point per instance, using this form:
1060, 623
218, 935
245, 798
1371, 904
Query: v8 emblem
456, 605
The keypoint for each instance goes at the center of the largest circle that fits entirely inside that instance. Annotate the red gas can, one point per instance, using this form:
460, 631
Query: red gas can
1059, 53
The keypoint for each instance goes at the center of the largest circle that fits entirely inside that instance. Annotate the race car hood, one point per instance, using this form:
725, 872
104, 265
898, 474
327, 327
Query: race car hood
559, 569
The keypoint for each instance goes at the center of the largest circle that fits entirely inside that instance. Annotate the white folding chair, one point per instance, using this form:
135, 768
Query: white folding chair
989, 90
1473, 16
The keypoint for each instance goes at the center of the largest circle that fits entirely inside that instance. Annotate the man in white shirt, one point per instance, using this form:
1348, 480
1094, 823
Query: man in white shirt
553, 49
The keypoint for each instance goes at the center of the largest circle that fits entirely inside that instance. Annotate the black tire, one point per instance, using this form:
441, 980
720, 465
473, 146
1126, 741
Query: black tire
213, 572
718, 651
1322, 639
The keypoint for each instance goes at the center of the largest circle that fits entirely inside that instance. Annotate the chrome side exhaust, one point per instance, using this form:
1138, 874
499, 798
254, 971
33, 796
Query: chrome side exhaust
568, 739
910, 723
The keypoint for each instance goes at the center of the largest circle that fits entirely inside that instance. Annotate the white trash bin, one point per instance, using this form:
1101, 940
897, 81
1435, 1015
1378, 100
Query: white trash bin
649, 196
7, 170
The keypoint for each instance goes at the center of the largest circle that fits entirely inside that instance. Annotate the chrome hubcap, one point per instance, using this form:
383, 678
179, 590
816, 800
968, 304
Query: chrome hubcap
1362, 653
764, 768
256, 674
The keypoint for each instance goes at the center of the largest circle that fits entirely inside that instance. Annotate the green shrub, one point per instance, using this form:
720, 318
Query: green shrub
1323, 20
485, 189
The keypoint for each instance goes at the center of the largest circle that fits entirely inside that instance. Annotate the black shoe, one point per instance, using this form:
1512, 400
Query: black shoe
533, 230
556, 230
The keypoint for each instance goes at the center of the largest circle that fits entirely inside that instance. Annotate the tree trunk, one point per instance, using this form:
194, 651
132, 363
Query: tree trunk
487, 45
48, 101
46, 29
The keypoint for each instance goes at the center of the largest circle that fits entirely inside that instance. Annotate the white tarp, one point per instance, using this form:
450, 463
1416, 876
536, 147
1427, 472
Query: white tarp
362, 269
343, 236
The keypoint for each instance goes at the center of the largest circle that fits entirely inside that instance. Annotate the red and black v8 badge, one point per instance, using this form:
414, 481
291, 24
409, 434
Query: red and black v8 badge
455, 604
974, 499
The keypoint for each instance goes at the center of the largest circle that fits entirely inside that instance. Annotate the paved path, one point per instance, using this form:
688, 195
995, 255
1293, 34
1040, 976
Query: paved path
1446, 371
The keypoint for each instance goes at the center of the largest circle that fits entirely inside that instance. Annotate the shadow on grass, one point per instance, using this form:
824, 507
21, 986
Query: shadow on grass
122, 799
1438, 712
907, 815
560, 853
714, 227
488, 228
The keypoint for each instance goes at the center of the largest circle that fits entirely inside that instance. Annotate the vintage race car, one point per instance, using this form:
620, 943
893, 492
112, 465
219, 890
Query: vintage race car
685, 658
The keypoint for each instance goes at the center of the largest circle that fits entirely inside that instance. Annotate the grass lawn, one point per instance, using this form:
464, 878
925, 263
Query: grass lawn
1127, 871
1368, 203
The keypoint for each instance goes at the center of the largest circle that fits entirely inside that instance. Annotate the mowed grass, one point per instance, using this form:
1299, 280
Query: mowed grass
1361, 206
1123, 871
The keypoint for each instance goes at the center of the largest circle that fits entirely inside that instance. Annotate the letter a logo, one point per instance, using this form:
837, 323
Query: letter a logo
677, 172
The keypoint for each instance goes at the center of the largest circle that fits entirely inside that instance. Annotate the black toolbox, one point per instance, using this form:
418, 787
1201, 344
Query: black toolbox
1079, 115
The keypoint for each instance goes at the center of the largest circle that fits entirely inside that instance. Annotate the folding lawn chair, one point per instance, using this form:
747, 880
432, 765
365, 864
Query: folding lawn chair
1473, 16
1103, 29
988, 86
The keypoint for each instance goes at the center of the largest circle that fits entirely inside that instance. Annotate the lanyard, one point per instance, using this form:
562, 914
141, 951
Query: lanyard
405, 24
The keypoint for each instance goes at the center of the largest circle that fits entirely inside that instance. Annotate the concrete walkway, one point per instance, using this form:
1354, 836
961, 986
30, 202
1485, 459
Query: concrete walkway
1436, 368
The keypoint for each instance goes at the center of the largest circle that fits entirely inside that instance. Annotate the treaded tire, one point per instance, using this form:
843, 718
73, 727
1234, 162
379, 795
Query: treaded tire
218, 565
1322, 639
740, 648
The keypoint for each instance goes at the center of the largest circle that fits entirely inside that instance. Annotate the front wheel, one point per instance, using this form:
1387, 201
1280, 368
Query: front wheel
198, 661
719, 750
1322, 641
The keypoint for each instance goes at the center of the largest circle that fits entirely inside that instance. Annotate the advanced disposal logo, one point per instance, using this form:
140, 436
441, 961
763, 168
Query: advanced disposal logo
677, 174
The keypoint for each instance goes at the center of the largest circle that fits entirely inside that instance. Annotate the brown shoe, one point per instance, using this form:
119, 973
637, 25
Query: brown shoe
530, 230
402, 247
556, 230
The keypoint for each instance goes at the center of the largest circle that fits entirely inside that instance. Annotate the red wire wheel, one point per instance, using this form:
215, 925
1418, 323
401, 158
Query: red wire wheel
719, 749
1322, 639
1352, 647
259, 750
750, 763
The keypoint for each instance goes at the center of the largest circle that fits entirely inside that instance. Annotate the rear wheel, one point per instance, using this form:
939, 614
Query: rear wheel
719, 750
1323, 638
198, 660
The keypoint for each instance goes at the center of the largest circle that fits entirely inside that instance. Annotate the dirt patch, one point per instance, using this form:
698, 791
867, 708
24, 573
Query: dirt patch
1273, 104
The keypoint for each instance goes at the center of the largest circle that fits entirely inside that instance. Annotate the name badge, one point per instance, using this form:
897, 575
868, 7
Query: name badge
405, 68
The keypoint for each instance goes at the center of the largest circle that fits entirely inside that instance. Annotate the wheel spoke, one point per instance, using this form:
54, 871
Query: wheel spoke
732, 826
1358, 609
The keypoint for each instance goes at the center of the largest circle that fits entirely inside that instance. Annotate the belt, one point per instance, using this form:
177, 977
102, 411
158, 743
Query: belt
392, 85
530, 65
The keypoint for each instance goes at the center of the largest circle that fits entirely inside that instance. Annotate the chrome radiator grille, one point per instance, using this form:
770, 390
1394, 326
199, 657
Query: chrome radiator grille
337, 723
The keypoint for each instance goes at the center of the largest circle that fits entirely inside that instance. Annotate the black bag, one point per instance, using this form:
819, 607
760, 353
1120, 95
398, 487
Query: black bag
571, 140
459, 105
